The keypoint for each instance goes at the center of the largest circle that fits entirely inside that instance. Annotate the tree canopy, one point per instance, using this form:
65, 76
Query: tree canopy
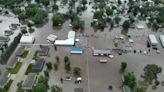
40, 87
151, 71
58, 18
126, 24
130, 80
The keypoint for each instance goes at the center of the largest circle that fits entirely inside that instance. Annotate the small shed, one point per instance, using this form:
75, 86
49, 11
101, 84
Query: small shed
29, 81
51, 38
76, 50
27, 39
38, 65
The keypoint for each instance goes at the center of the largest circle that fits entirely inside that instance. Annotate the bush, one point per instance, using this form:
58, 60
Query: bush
36, 55
76, 70
58, 19
46, 73
66, 59
49, 65
24, 54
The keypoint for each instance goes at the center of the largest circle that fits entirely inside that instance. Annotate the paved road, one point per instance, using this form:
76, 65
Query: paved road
22, 70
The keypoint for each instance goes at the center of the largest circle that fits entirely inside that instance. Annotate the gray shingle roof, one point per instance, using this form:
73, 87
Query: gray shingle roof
29, 81
39, 63
19, 50
4, 79
12, 62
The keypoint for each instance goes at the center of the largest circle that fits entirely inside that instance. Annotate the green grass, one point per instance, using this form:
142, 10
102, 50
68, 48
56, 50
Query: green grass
36, 55
16, 69
24, 54
29, 70
6, 88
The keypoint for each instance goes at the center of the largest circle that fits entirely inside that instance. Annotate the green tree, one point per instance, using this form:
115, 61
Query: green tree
55, 7
130, 80
98, 14
31, 10
123, 66
78, 24
67, 66
57, 19
40, 87
46, 73
22, 16
39, 16
84, 2
143, 11
56, 88
30, 24
109, 11
151, 71
66, 59
43, 80
2, 49
126, 24
49, 65
76, 70
117, 19
45, 2
16, 10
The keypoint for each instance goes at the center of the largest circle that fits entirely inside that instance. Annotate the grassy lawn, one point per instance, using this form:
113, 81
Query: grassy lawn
16, 69
36, 55
6, 88
29, 70
24, 54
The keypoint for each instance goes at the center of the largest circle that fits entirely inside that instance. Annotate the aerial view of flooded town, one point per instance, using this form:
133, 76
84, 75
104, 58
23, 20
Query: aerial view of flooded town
81, 45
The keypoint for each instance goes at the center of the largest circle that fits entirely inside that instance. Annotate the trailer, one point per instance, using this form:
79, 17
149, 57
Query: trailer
152, 41
162, 40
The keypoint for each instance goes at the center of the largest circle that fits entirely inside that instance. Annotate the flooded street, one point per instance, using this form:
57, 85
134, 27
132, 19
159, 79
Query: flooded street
94, 81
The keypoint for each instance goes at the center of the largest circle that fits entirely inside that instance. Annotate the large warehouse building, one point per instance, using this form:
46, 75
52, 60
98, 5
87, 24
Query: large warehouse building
70, 41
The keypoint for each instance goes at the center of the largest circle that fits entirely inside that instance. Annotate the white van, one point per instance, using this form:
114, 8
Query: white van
103, 61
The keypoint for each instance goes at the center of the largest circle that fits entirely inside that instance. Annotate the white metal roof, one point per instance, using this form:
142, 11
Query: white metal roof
153, 39
71, 34
52, 37
162, 39
27, 39
70, 41
65, 42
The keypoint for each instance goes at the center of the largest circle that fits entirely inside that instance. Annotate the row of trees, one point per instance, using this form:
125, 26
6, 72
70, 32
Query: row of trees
32, 11
6, 54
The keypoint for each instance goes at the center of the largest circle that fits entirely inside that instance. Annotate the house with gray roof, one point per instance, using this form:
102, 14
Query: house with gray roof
29, 81
4, 78
12, 62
